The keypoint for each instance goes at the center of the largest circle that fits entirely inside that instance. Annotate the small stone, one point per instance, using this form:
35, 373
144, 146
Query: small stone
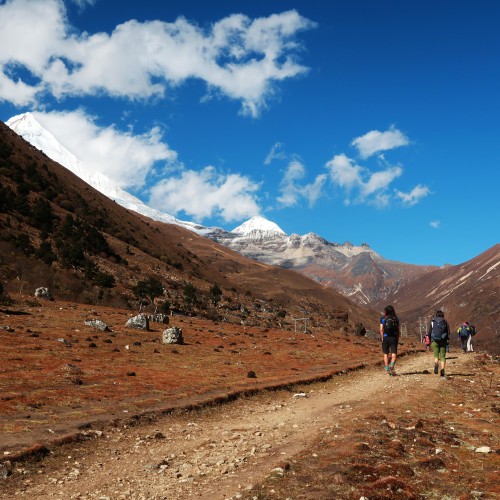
483, 449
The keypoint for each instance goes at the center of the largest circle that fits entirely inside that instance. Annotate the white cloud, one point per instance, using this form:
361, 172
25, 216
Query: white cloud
237, 57
125, 158
436, 224
16, 92
312, 192
344, 172
360, 185
292, 191
414, 196
83, 3
207, 194
375, 141
276, 153
378, 181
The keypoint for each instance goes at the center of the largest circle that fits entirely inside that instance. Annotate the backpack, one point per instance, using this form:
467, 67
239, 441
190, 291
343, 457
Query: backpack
464, 331
391, 324
439, 329
472, 330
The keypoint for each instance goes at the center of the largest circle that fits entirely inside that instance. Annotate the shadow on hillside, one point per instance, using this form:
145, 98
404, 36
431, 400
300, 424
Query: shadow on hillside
451, 375
15, 313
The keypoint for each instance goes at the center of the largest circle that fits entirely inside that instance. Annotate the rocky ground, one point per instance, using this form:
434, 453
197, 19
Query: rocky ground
359, 434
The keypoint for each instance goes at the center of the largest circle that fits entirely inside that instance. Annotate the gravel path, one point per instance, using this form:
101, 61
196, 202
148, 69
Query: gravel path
218, 452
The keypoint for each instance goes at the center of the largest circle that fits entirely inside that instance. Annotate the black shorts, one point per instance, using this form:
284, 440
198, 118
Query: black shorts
390, 344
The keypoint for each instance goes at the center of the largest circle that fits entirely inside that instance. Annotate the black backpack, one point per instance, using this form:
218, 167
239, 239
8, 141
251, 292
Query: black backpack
464, 331
472, 330
391, 324
439, 329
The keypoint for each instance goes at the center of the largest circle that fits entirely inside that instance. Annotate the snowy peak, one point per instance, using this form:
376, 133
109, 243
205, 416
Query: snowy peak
30, 130
27, 126
258, 224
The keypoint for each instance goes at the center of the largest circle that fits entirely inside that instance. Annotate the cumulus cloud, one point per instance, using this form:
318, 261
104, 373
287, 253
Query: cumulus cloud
358, 182
436, 224
344, 172
414, 196
125, 158
207, 194
291, 189
237, 57
375, 141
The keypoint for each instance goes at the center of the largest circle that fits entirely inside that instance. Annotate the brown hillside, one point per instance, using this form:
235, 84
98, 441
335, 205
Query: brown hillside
58, 232
466, 292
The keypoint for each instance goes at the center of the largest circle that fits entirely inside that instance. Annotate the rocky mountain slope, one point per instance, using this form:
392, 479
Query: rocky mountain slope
59, 232
466, 292
356, 272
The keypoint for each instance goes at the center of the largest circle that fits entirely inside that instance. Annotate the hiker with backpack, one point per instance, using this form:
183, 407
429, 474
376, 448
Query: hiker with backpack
389, 334
472, 331
427, 342
464, 335
439, 333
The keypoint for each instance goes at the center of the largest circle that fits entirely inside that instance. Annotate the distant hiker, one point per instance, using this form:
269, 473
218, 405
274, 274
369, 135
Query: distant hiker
472, 332
439, 333
463, 335
427, 342
389, 334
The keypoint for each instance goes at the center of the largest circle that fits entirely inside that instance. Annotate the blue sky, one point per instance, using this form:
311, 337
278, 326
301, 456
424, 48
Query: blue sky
361, 121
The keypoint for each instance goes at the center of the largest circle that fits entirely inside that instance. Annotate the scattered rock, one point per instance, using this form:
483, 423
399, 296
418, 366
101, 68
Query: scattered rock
43, 293
139, 322
483, 449
172, 336
97, 323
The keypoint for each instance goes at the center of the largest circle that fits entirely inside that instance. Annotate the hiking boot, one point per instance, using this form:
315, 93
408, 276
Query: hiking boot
391, 369
442, 373
387, 370
436, 366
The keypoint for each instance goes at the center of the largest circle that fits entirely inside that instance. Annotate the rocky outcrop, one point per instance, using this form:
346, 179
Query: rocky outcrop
43, 293
172, 336
139, 322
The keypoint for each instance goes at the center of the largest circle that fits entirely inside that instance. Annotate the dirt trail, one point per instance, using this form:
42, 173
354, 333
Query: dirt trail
221, 452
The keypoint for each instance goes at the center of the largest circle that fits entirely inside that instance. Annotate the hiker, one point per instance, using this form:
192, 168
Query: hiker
463, 335
427, 342
472, 332
389, 334
439, 333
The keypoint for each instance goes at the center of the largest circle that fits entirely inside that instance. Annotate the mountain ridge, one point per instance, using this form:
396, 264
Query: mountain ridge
57, 231
357, 272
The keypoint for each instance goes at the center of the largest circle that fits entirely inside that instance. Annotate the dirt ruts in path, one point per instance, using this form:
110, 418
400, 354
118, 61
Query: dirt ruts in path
217, 452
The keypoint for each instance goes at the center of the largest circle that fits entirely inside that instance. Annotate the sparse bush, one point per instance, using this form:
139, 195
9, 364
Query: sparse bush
45, 253
148, 289
42, 215
215, 294
104, 280
190, 294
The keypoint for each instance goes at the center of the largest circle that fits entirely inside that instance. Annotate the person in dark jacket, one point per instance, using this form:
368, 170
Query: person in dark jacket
439, 332
389, 334
464, 335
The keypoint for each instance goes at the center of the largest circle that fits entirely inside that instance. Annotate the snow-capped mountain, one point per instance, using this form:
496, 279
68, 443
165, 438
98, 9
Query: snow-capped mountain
30, 129
356, 271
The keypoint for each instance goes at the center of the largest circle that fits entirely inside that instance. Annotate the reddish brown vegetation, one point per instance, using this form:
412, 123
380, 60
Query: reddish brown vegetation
49, 388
